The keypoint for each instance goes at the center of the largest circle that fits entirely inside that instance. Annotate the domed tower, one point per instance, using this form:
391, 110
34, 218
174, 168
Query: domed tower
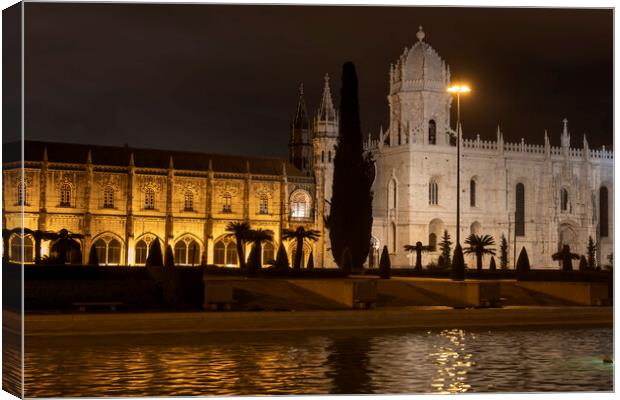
300, 145
325, 128
418, 99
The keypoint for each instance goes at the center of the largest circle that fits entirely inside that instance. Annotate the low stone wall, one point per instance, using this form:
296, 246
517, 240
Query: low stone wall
403, 317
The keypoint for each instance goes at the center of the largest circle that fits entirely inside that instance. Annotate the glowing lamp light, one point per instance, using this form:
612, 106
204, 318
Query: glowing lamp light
459, 89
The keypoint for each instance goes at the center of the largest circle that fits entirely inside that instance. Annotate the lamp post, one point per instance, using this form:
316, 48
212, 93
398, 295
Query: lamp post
458, 89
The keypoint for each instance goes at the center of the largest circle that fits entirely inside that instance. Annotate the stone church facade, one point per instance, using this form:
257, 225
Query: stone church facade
538, 196
121, 199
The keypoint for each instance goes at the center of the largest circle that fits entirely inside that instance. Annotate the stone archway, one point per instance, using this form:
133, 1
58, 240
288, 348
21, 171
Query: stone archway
567, 235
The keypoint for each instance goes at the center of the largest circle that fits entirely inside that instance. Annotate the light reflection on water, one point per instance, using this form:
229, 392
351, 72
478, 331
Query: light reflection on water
440, 361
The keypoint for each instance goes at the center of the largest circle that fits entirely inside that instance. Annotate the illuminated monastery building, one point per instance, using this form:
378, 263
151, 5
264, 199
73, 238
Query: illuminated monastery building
121, 198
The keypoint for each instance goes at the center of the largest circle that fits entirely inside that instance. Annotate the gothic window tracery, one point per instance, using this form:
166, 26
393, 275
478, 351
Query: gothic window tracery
227, 205
65, 195
189, 200
268, 252
149, 199
604, 211
433, 192
520, 210
108, 251
564, 199
432, 132
23, 193
300, 204
263, 205
225, 252
108, 197
19, 243
187, 252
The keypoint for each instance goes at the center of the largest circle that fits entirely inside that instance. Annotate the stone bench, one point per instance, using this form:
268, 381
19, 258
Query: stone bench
112, 305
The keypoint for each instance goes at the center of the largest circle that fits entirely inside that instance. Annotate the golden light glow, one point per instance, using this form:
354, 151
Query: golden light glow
459, 89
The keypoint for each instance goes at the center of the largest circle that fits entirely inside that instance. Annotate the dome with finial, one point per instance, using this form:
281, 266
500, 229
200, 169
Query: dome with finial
420, 67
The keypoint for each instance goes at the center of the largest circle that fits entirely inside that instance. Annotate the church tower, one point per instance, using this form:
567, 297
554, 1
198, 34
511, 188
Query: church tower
418, 99
325, 128
300, 145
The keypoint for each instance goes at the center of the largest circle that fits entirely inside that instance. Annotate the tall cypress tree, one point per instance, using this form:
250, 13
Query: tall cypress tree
350, 220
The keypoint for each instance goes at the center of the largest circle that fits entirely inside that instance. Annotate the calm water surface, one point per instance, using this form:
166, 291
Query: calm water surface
439, 361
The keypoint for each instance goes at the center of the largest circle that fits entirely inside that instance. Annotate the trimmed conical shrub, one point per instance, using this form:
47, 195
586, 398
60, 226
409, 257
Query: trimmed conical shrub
155, 258
169, 257
458, 264
253, 263
345, 261
282, 258
310, 264
523, 263
385, 267
583, 264
93, 259
492, 266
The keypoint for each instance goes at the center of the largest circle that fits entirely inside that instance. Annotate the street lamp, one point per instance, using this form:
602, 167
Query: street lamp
458, 89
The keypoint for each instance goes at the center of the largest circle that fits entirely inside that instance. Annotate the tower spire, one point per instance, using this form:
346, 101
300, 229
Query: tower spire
301, 115
326, 111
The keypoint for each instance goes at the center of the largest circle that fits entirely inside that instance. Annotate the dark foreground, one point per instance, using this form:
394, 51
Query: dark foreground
361, 361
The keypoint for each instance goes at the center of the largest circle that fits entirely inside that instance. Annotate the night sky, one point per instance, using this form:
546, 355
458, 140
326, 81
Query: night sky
224, 79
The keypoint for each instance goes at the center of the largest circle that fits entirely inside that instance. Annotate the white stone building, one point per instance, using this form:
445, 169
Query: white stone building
538, 196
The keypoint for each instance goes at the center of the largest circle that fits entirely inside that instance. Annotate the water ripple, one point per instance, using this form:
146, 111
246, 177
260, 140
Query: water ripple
442, 361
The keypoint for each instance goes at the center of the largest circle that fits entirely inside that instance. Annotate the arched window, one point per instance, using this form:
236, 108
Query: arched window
268, 253
323, 156
22, 194
186, 252
329, 156
65, 195
520, 210
432, 132
108, 197
225, 252
472, 193
392, 237
392, 194
114, 252
563, 199
149, 199
219, 253
263, 205
432, 240
300, 204
108, 252
231, 253
142, 252
604, 211
227, 205
433, 192
16, 249
189, 200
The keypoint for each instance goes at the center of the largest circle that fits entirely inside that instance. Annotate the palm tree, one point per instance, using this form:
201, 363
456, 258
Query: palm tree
478, 246
566, 257
418, 248
239, 231
258, 237
300, 235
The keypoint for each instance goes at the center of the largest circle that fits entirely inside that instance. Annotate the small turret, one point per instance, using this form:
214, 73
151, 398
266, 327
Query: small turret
300, 145
565, 135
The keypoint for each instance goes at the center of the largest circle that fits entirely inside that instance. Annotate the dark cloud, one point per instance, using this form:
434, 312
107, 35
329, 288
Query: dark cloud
224, 78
